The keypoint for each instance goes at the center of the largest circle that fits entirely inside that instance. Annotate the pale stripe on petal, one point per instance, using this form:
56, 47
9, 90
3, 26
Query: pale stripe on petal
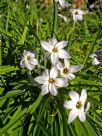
61, 82
46, 46
75, 68
53, 72
83, 96
33, 61
54, 58
72, 115
59, 66
52, 89
61, 44
53, 41
74, 96
63, 54
41, 79
82, 116
71, 76
44, 89
66, 63
69, 104
29, 66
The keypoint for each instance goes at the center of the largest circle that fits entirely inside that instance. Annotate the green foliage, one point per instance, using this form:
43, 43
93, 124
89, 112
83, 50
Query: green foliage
23, 111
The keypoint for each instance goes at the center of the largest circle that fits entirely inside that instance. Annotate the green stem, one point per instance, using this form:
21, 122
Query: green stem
0, 51
54, 19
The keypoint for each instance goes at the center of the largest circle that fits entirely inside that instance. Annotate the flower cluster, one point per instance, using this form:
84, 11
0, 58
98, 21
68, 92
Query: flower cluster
59, 75
76, 12
61, 72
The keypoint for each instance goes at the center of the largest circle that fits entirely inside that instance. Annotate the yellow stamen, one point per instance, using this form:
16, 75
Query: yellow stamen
79, 105
65, 70
54, 49
28, 57
51, 80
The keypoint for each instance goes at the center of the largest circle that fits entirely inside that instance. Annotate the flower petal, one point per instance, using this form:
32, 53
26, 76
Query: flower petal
87, 107
46, 46
53, 41
29, 66
41, 79
54, 58
83, 96
69, 104
95, 61
33, 61
59, 66
22, 65
93, 55
71, 76
61, 44
75, 68
72, 115
46, 73
74, 96
61, 82
63, 17
66, 63
52, 89
62, 3
28, 53
25, 53
82, 116
63, 54
53, 72
44, 89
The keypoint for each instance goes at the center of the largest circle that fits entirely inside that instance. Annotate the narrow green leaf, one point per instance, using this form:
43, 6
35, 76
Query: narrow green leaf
6, 69
33, 107
23, 37
15, 118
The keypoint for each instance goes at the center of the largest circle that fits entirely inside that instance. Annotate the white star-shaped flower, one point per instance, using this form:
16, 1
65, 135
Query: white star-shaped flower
95, 60
63, 17
62, 3
55, 49
66, 70
28, 60
77, 14
50, 82
78, 106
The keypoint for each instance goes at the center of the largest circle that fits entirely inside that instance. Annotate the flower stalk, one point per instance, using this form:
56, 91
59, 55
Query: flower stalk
0, 51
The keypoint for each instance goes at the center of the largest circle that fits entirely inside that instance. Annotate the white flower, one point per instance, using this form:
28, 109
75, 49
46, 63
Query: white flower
77, 14
63, 17
95, 60
78, 106
62, 3
55, 49
66, 70
28, 60
50, 82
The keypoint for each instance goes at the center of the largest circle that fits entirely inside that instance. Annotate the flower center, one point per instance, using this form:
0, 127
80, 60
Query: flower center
28, 58
54, 49
65, 70
79, 105
51, 80
76, 13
